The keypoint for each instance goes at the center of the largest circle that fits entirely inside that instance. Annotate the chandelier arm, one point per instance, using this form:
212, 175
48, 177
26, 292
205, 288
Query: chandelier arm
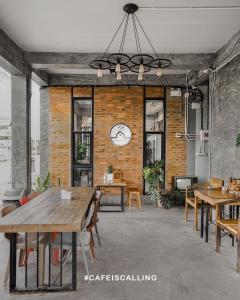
114, 37
146, 36
136, 35
124, 35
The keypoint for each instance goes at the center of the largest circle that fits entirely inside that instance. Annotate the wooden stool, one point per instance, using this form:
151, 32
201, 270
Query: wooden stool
134, 196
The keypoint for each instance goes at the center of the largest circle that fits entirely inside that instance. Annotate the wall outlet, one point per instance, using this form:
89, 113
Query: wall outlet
204, 135
175, 92
178, 135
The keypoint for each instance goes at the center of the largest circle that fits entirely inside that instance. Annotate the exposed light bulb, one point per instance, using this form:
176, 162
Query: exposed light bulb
99, 73
140, 76
118, 68
141, 68
159, 72
119, 76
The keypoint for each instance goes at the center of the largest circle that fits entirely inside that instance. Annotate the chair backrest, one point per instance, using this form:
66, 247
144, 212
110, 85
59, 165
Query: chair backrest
5, 211
89, 216
216, 182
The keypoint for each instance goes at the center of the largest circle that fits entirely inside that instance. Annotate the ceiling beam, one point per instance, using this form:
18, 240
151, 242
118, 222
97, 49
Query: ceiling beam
127, 79
58, 60
12, 59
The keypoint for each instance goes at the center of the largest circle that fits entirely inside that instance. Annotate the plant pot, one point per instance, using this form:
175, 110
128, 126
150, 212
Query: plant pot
109, 178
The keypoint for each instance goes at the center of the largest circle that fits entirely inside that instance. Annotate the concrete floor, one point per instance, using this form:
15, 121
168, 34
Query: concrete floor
152, 241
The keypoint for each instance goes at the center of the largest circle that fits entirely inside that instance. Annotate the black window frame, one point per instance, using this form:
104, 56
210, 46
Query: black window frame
75, 164
161, 132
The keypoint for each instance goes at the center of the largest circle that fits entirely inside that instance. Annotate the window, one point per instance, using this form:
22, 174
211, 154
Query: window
154, 131
82, 141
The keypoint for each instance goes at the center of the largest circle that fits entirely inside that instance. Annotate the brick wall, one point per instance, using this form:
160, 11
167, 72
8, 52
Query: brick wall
113, 105
176, 148
60, 135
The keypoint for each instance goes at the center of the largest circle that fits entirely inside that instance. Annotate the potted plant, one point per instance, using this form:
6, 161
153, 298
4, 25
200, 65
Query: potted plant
42, 186
154, 176
110, 174
81, 151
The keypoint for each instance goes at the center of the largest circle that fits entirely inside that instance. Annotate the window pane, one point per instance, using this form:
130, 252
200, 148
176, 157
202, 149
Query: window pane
154, 115
153, 148
82, 176
83, 115
82, 151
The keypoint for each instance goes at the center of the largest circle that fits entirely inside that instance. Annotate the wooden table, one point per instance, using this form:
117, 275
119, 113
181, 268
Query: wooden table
212, 197
122, 185
48, 213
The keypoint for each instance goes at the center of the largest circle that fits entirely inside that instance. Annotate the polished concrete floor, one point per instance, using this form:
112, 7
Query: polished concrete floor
158, 242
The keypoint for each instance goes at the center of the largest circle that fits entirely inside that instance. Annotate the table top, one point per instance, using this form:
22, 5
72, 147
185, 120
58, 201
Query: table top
216, 196
49, 213
114, 184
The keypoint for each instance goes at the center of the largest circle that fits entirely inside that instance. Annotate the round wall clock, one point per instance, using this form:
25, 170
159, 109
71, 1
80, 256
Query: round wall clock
120, 134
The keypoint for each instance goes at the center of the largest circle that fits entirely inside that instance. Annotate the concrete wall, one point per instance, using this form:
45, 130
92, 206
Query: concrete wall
225, 158
19, 133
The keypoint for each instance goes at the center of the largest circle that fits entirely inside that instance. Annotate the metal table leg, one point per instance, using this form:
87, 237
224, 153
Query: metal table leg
13, 262
74, 261
207, 222
202, 218
122, 198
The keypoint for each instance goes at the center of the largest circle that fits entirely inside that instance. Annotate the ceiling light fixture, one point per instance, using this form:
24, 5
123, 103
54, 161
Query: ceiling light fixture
121, 62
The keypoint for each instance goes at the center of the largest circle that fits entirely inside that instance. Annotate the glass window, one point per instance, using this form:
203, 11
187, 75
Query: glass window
153, 148
154, 115
82, 176
82, 151
83, 115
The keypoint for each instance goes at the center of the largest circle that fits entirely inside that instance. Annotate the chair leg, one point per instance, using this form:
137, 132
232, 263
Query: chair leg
218, 238
238, 254
92, 252
98, 237
85, 260
186, 211
196, 215
130, 201
139, 201
42, 249
7, 271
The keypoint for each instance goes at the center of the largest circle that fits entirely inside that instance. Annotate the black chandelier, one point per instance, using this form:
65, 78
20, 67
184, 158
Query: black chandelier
121, 62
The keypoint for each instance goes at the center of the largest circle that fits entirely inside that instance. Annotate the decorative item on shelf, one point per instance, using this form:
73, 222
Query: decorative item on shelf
234, 185
117, 175
110, 174
238, 140
120, 62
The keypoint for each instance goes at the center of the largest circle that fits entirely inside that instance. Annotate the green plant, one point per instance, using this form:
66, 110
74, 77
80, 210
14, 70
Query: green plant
154, 176
238, 140
110, 169
81, 150
173, 198
42, 186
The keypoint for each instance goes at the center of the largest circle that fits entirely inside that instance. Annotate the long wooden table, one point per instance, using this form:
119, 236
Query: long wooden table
121, 185
212, 197
48, 213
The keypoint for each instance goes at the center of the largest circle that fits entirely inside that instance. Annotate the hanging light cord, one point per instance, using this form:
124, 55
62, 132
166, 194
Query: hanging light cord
114, 36
124, 35
139, 50
151, 45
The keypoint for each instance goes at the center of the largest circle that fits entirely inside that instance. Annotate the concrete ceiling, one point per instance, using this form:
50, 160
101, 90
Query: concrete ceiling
88, 26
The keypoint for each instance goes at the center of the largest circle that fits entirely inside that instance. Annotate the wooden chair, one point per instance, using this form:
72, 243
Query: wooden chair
134, 196
232, 228
190, 200
94, 220
31, 244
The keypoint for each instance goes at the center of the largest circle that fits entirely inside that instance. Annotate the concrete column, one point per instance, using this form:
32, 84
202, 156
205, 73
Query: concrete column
44, 132
21, 93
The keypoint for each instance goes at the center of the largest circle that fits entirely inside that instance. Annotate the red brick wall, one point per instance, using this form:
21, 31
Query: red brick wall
60, 135
176, 148
113, 105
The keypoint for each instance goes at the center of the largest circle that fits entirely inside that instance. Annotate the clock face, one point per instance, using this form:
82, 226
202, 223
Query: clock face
120, 135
